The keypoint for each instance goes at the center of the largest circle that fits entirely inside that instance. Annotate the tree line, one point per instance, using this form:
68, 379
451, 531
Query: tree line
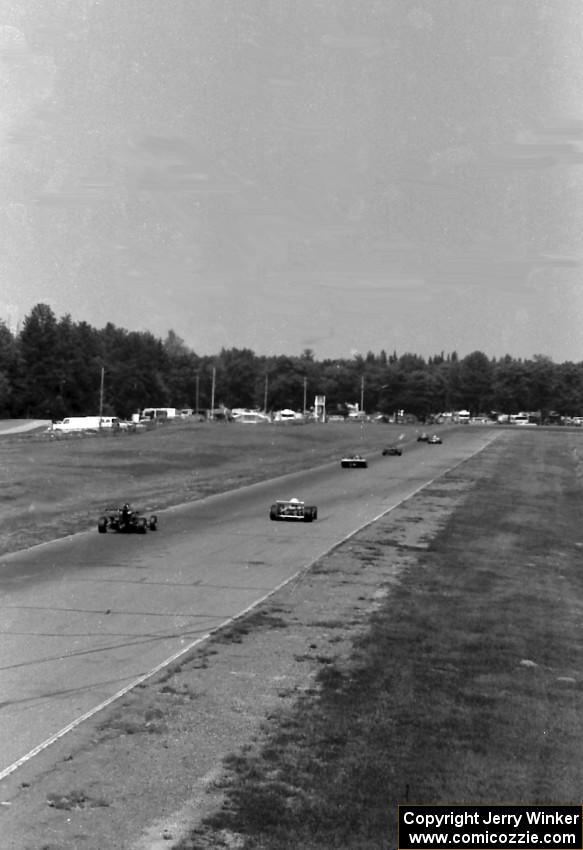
54, 367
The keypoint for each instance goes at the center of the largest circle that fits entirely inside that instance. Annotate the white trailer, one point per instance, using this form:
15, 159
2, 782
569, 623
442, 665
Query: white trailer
86, 423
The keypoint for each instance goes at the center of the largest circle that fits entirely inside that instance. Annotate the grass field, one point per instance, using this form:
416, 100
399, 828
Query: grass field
53, 487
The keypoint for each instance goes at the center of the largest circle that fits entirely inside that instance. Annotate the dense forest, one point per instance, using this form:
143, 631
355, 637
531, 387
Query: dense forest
54, 367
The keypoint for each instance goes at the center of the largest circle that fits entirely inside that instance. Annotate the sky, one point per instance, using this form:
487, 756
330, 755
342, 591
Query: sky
340, 175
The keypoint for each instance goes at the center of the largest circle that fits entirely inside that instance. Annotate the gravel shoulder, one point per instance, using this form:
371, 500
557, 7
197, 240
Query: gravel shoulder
140, 774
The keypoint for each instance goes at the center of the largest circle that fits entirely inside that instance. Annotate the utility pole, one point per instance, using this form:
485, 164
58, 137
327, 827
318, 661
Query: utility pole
305, 394
213, 393
196, 394
265, 393
362, 394
101, 394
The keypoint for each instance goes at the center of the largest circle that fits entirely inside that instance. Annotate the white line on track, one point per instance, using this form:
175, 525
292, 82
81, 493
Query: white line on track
134, 684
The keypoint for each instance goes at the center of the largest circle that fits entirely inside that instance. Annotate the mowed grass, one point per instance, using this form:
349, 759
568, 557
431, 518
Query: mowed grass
467, 688
53, 487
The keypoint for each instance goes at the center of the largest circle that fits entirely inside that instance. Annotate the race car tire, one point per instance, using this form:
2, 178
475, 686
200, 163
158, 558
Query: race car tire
142, 526
273, 512
308, 517
153, 523
102, 525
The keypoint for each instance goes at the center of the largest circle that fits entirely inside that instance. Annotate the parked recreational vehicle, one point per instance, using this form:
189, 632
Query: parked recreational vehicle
462, 417
158, 413
520, 419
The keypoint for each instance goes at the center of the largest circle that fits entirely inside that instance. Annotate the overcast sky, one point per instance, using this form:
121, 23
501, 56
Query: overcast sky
343, 175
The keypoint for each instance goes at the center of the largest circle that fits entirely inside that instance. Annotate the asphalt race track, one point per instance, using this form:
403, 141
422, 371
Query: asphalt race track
84, 618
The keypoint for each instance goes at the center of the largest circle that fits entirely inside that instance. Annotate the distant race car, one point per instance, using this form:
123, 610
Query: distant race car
435, 440
393, 450
354, 462
423, 438
293, 509
126, 520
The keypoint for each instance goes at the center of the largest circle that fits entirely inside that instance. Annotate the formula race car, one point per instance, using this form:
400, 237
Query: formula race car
423, 438
354, 462
435, 440
393, 450
126, 520
293, 509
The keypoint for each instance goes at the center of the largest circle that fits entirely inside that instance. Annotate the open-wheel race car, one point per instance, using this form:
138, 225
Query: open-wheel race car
393, 450
435, 440
293, 509
354, 462
126, 520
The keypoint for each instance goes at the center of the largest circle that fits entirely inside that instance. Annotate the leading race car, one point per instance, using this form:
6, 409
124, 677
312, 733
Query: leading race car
393, 451
435, 440
354, 462
293, 509
126, 520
